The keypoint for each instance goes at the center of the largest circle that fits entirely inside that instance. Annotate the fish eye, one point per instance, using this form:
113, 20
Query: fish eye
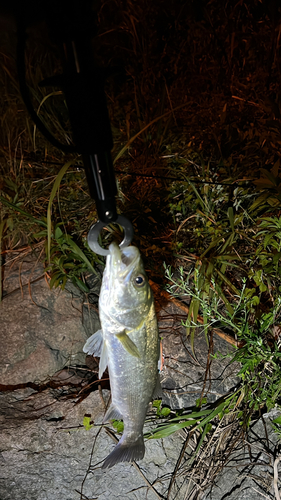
140, 280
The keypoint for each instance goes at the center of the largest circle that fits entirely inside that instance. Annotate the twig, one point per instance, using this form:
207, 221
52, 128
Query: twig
82, 496
192, 493
275, 479
20, 282
260, 493
25, 284
245, 100
180, 458
208, 368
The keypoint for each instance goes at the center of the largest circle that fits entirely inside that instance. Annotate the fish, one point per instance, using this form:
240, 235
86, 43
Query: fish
128, 344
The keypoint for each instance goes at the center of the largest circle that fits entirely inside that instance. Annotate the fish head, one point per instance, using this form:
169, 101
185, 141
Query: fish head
125, 295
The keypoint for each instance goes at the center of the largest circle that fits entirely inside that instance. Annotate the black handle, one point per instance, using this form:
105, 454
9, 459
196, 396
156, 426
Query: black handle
83, 86
72, 26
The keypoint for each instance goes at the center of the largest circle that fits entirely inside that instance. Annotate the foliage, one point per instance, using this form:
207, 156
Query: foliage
269, 183
259, 358
269, 249
161, 412
260, 373
68, 262
118, 425
87, 423
65, 258
202, 421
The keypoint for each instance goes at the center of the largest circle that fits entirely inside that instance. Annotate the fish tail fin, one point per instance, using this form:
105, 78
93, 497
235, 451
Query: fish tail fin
125, 452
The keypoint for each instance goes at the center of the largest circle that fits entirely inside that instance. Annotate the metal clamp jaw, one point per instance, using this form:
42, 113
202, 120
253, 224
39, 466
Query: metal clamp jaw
96, 229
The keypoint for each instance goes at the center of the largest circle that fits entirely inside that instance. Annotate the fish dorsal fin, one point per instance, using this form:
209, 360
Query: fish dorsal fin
112, 414
94, 344
103, 360
128, 344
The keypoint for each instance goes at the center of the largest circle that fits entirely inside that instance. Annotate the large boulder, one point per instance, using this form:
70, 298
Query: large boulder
41, 330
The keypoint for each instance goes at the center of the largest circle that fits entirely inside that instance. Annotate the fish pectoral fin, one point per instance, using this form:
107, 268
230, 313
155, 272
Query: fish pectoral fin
112, 414
103, 360
128, 344
94, 344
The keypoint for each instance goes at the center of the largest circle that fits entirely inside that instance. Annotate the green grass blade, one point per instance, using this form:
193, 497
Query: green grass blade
228, 242
226, 302
212, 245
49, 210
198, 196
16, 208
167, 430
189, 318
80, 253
228, 282
192, 415
206, 429
214, 413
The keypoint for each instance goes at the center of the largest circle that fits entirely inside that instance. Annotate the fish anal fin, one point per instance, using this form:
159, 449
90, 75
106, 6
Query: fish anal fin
94, 344
112, 414
128, 344
125, 452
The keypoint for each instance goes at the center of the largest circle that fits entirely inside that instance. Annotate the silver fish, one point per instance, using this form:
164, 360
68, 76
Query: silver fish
129, 345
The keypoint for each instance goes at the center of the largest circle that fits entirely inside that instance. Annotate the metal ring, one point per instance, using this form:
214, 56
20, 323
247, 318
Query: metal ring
96, 229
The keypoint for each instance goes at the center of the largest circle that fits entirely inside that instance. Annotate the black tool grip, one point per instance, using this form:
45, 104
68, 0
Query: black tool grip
102, 185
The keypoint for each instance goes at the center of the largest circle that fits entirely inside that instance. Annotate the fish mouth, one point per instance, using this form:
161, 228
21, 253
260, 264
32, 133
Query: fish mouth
122, 261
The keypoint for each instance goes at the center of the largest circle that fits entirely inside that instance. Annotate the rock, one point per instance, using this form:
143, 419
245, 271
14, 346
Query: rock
41, 329
47, 454
184, 377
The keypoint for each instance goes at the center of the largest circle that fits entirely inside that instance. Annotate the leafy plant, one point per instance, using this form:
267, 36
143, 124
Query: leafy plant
269, 183
258, 355
216, 232
202, 421
161, 412
276, 424
269, 249
65, 258
118, 425
87, 423
68, 261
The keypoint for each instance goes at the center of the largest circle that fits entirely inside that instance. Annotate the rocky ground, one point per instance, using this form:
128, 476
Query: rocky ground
48, 387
